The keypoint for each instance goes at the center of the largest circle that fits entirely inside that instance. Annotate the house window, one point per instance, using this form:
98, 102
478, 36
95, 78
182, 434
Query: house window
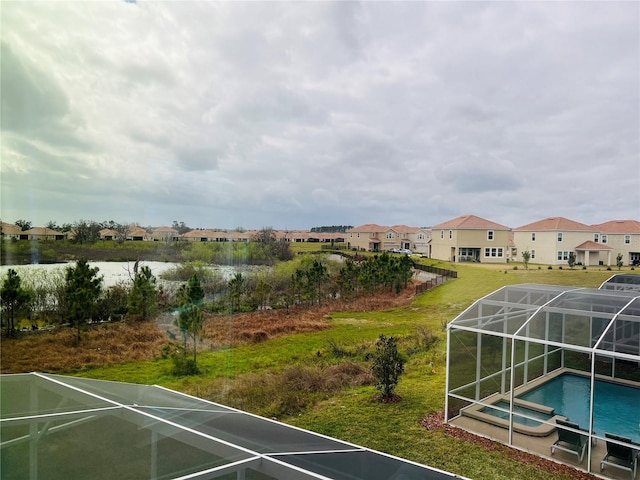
421, 236
596, 237
493, 252
441, 234
563, 255
533, 254
559, 236
604, 239
533, 237
450, 234
627, 239
389, 235
358, 235
489, 234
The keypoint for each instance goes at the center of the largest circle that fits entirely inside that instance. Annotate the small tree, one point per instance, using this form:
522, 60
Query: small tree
14, 298
572, 260
122, 231
86, 232
82, 290
191, 292
191, 322
387, 367
619, 261
526, 256
143, 300
237, 287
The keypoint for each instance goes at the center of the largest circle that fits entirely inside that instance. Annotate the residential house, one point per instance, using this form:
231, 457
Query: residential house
138, 234
366, 237
622, 236
42, 233
164, 234
551, 240
204, 235
469, 238
9, 231
415, 239
108, 234
240, 236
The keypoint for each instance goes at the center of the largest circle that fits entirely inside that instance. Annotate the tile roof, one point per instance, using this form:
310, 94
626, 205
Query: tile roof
405, 229
369, 227
469, 222
10, 229
589, 245
618, 226
41, 231
554, 224
165, 229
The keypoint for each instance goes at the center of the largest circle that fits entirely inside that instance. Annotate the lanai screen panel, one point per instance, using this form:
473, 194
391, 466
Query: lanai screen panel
622, 282
59, 428
507, 309
576, 318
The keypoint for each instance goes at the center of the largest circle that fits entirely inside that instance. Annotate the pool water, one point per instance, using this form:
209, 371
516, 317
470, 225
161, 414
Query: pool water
616, 406
517, 409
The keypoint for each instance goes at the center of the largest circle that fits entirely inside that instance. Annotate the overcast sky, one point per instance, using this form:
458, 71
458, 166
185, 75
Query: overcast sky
301, 114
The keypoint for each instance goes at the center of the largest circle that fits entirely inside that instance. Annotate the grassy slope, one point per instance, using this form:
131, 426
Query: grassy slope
352, 415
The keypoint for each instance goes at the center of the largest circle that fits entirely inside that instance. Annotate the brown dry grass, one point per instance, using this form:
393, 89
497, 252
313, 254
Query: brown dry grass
254, 327
56, 350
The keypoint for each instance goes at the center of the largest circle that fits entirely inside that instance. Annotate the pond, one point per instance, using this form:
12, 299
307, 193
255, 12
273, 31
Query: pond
113, 272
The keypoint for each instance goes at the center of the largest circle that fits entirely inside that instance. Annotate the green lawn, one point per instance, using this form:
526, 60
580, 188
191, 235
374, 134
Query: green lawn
353, 414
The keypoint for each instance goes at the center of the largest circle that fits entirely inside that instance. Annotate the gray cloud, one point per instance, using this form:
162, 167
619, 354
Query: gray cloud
299, 114
31, 99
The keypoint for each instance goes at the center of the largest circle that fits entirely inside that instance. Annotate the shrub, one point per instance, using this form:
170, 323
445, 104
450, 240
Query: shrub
549, 267
183, 366
387, 367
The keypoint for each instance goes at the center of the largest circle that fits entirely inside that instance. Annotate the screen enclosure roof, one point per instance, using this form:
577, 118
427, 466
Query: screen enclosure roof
604, 320
60, 427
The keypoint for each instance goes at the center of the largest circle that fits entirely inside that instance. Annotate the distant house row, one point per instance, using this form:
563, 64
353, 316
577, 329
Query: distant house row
168, 234
469, 238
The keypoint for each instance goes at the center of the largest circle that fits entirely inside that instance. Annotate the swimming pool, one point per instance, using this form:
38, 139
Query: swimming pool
504, 404
616, 406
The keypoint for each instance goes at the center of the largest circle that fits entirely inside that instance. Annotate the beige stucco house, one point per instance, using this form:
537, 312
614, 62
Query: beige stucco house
622, 237
366, 237
469, 238
550, 241
164, 234
372, 237
10, 231
42, 233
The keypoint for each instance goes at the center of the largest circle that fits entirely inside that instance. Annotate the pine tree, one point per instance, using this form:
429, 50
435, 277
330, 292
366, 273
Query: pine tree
14, 298
143, 300
82, 290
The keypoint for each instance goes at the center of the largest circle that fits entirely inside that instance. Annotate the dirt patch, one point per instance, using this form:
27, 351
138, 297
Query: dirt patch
435, 421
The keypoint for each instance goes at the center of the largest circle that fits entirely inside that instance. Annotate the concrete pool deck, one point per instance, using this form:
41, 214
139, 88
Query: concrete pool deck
541, 446
537, 440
